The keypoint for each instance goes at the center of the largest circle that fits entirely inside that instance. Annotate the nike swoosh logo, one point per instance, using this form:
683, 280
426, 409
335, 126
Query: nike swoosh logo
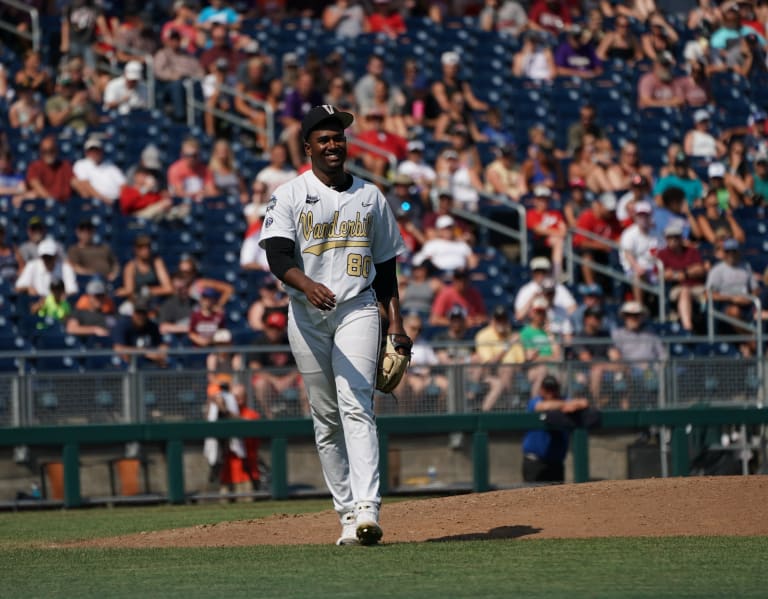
366, 204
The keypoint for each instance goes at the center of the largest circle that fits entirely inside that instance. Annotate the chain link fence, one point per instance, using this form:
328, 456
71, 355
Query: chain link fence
136, 393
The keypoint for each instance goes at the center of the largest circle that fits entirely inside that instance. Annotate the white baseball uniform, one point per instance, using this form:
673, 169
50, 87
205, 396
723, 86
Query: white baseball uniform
339, 236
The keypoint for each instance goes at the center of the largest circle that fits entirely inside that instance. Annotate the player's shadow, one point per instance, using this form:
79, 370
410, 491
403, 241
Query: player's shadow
500, 532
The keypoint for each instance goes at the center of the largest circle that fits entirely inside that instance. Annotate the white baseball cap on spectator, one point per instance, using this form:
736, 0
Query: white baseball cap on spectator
133, 70
715, 170
643, 208
701, 115
450, 58
608, 200
444, 222
540, 263
47, 247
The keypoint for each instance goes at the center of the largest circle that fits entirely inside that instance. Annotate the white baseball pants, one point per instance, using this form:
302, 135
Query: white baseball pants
336, 352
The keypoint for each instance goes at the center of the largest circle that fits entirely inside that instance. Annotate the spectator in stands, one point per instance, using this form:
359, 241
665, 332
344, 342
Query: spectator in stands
591, 299
541, 268
503, 175
583, 162
345, 18
206, 319
365, 86
172, 67
535, 59
139, 331
760, 178
601, 221
674, 209
640, 348
696, 85
459, 292
685, 178
144, 197
374, 134
699, 141
577, 201
684, 273
218, 100
559, 319
252, 255
79, 24
198, 283
451, 81
544, 451
418, 289
445, 205
604, 174
96, 178
135, 38
658, 88
26, 113
389, 104
145, 275
552, 16
445, 251
660, 38
639, 192
541, 167
620, 44
385, 19
414, 166
456, 119
53, 307
37, 274
176, 310
189, 177
277, 172
402, 198
451, 344
272, 298
127, 92
592, 349
339, 93
69, 107
738, 176
33, 75
89, 318
36, 232
540, 346
637, 248
627, 167
9, 258
547, 226
297, 103
494, 130
459, 169
225, 180
731, 283
276, 382
504, 16
732, 29
90, 258
575, 56
722, 185
587, 125
183, 26
497, 347
12, 183
220, 49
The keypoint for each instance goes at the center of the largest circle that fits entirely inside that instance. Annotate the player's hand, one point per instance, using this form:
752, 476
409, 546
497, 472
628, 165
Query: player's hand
320, 296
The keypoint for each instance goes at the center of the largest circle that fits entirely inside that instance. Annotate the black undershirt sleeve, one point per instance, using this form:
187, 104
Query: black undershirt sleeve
385, 281
280, 255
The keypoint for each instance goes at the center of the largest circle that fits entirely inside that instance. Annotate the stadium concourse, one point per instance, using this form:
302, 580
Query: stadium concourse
457, 110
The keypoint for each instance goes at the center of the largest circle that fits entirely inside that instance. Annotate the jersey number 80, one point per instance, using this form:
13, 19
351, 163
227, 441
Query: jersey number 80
358, 266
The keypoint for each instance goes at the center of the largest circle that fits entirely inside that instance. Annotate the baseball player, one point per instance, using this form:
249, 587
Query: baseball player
333, 240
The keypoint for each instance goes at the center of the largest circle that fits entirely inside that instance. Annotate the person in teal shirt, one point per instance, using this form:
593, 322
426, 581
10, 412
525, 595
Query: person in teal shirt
685, 178
760, 177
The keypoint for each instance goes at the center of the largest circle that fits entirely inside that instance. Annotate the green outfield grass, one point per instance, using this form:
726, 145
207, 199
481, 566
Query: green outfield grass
674, 567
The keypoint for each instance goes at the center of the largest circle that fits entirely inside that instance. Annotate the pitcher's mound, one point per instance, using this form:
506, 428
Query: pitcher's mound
655, 507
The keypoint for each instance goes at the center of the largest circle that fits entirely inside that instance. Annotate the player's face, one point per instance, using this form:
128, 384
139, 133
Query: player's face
327, 147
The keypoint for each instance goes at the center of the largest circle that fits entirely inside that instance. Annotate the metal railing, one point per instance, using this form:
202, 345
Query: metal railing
33, 35
519, 235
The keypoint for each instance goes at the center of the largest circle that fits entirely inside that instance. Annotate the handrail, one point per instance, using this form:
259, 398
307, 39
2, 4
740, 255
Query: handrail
573, 258
521, 236
193, 104
34, 16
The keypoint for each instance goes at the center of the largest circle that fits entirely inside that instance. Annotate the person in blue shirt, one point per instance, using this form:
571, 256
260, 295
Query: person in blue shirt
544, 450
683, 177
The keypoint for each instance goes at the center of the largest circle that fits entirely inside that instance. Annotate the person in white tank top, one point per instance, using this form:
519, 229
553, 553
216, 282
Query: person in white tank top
699, 142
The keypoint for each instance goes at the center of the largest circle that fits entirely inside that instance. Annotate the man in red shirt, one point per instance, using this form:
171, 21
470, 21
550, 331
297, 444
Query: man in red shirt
49, 176
375, 135
385, 19
459, 293
599, 220
684, 272
206, 320
548, 228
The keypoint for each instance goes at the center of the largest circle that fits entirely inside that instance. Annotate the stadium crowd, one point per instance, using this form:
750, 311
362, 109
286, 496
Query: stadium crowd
651, 149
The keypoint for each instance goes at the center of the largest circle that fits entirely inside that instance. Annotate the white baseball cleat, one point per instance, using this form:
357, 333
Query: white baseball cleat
348, 530
368, 530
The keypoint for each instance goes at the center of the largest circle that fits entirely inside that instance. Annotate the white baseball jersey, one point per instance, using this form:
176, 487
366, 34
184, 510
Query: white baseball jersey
339, 235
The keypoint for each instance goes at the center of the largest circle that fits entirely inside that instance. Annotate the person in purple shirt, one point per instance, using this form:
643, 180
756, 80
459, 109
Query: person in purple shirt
298, 103
576, 55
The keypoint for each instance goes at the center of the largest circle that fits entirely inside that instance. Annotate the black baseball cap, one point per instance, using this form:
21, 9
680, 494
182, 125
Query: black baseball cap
550, 382
320, 114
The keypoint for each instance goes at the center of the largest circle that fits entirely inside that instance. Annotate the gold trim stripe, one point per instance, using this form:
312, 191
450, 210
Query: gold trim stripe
319, 248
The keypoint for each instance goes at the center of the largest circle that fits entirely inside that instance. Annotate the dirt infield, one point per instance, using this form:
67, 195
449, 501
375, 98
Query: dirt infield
654, 507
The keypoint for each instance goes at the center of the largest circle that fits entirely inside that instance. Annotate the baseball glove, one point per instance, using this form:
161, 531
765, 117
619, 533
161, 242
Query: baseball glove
393, 363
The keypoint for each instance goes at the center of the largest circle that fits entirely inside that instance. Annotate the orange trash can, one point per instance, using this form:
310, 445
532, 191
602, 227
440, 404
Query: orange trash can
128, 475
55, 474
